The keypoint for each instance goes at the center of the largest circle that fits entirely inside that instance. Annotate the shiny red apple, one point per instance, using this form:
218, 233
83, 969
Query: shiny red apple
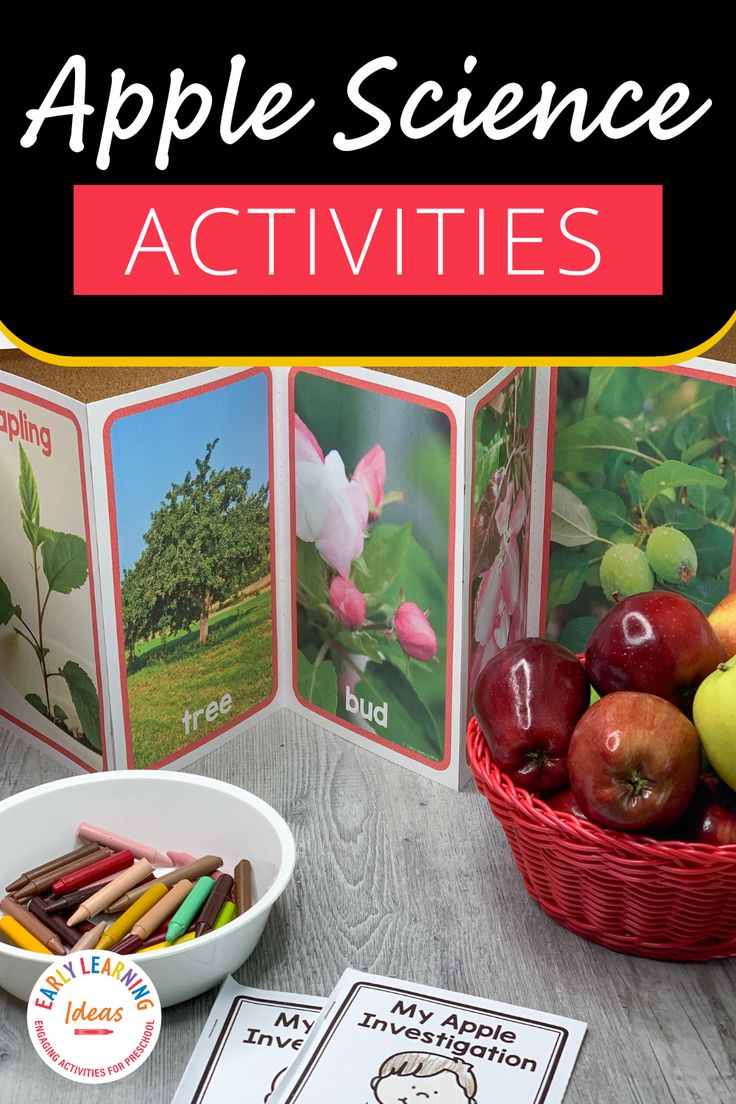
656, 643
634, 762
711, 817
528, 699
564, 801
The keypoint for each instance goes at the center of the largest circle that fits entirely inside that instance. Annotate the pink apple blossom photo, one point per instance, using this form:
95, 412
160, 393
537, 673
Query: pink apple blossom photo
372, 490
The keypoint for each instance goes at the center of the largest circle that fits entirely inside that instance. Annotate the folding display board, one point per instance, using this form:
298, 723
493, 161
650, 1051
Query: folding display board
179, 558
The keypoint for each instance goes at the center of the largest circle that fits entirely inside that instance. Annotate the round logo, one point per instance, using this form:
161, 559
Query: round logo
94, 1016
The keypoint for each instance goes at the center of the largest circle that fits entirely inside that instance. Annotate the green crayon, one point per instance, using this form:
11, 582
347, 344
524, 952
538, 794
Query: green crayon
225, 915
189, 908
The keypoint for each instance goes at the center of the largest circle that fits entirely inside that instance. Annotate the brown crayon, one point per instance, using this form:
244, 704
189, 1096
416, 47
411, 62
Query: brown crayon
34, 925
70, 901
191, 871
55, 923
243, 892
52, 864
43, 882
207, 917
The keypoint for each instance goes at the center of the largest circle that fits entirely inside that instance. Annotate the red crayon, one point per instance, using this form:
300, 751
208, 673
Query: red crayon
93, 1031
89, 874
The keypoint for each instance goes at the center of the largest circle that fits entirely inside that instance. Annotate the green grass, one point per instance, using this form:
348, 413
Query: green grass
163, 683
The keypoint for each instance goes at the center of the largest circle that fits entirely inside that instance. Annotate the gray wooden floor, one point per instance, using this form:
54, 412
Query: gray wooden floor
401, 877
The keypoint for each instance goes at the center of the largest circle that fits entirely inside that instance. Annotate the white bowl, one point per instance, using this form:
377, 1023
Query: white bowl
171, 811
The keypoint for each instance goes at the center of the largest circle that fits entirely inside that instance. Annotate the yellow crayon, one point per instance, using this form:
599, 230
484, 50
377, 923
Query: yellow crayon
161, 946
17, 934
125, 922
225, 915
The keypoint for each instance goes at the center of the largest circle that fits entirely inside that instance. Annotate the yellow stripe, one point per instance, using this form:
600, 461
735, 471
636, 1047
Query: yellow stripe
369, 362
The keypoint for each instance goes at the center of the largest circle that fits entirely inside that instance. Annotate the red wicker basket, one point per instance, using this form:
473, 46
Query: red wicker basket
655, 898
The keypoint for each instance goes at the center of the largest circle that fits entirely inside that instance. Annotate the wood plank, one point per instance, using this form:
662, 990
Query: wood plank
400, 876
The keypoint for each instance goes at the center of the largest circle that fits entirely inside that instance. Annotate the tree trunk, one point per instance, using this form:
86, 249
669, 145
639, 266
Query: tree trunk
204, 617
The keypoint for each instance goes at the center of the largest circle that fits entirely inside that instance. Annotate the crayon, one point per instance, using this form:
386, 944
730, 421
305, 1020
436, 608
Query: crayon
99, 901
205, 865
69, 901
88, 941
17, 933
227, 912
128, 944
243, 898
153, 920
52, 864
122, 843
127, 919
159, 936
34, 925
54, 923
133, 943
190, 908
180, 858
88, 875
163, 946
43, 882
183, 858
213, 905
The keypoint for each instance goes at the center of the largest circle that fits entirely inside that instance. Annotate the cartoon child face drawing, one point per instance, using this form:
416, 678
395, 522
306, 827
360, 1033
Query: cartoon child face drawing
415, 1078
274, 1083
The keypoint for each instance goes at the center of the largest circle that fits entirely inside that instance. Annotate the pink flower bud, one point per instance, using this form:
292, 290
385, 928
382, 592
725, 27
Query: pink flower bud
371, 474
306, 445
414, 632
347, 602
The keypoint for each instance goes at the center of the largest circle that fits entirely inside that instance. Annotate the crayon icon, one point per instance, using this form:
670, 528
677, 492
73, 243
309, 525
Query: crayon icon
93, 1031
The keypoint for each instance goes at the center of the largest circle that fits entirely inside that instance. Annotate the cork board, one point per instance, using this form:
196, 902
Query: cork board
92, 384
725, 349
88, 384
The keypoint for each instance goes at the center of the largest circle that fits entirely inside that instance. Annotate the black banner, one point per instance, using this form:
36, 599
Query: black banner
641, 120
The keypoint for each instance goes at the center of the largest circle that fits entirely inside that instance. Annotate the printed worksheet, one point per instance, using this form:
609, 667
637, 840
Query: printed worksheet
383, 1041
249, 1041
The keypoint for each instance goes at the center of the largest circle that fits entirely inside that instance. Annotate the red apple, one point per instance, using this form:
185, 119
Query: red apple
564, 802
634, 762
712, 816
723, 622
657, 642
528, 699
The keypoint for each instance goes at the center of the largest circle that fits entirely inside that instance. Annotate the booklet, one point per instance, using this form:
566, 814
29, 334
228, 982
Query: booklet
382, 1041
250, 1039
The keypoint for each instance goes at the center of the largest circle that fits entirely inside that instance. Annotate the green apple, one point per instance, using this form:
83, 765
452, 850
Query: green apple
714, 714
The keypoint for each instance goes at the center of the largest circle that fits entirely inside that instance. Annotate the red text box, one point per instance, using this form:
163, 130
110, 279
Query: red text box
337, 239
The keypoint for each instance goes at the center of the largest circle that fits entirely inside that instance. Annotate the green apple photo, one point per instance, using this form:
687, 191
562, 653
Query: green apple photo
643, 496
